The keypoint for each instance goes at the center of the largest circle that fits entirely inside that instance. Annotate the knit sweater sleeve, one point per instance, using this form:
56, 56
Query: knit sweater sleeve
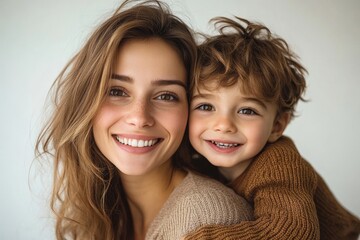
281, 186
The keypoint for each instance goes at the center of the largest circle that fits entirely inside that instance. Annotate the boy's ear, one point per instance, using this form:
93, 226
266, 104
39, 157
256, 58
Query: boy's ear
279, 126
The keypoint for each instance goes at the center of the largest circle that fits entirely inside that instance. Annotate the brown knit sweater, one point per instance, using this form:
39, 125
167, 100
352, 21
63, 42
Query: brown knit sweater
290, 200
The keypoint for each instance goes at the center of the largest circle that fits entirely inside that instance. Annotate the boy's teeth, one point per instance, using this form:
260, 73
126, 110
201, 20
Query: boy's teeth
137, 142
225, 145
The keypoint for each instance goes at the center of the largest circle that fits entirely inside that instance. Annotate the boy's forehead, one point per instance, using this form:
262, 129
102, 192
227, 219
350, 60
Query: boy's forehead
206, 88
213, 90
208, 84
211, 85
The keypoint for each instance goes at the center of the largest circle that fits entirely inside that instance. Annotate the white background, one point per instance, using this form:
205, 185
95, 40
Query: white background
38, 37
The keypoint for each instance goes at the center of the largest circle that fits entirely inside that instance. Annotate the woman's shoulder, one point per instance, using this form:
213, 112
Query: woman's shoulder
195, 202
211, 199
195, 184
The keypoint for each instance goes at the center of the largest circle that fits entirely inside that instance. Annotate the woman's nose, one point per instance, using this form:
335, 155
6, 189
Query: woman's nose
140, 114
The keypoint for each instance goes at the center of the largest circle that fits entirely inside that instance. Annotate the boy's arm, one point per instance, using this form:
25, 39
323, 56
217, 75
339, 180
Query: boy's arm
281, 186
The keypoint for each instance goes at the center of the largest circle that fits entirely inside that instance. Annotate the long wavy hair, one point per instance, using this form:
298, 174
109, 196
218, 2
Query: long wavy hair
87, 197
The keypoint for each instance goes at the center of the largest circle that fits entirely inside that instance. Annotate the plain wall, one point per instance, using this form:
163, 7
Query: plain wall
38, 37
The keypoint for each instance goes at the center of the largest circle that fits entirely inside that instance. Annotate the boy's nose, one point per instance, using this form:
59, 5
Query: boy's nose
224, 124
140, 115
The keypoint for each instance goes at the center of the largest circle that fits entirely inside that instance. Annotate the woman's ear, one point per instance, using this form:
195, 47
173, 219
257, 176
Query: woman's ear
279, 126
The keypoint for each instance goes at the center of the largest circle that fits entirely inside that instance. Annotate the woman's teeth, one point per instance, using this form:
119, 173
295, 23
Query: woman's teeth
137, 142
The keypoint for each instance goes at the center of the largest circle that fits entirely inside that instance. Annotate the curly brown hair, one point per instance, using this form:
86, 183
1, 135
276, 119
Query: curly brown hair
248, 53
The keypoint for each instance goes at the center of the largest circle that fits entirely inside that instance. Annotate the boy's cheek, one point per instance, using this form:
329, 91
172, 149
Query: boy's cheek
195, 124
194, 129
192, 119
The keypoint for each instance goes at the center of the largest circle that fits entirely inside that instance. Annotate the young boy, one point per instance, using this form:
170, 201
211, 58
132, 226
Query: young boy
246, 87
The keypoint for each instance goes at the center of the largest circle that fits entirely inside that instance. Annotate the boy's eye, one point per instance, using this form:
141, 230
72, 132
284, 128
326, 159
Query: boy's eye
205, 107
167, 97
247, 111
117, 92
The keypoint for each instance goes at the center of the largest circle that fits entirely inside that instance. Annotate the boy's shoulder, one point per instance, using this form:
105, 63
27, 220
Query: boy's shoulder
284, 145
282, 150
279, 164
282, 155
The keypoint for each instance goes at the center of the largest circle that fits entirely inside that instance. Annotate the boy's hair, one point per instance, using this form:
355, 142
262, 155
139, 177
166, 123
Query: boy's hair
249, 54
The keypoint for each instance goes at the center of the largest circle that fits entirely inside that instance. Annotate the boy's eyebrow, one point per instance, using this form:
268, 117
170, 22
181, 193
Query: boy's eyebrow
200, 95
256, 100
157, 82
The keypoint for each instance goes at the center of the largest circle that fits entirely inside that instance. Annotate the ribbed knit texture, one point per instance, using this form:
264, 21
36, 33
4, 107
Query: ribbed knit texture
290, 200
197, 201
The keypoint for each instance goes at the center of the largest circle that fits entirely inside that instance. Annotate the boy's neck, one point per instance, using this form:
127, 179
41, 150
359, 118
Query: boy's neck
231, 173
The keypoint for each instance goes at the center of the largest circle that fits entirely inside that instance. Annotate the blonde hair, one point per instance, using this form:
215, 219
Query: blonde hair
248, 53
87, 196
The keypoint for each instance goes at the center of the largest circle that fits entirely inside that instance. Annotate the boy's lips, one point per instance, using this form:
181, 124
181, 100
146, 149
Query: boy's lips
223, 146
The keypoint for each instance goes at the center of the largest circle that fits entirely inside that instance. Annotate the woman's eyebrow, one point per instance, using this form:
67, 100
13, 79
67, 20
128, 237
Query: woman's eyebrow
121, 77
165, 82
158, 82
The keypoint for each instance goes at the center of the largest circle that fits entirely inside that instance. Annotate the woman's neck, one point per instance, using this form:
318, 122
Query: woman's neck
146, 194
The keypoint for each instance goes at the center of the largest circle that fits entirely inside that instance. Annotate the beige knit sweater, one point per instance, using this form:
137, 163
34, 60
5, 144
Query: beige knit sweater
290, 200
197, 201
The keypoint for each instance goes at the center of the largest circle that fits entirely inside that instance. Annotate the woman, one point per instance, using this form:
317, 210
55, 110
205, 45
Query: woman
117, 135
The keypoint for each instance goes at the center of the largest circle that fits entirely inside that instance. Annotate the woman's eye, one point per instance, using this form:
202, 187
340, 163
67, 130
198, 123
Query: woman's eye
167, 97
117, 92
247, 111
205, 107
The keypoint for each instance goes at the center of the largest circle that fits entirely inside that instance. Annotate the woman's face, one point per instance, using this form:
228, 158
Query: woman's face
143, 120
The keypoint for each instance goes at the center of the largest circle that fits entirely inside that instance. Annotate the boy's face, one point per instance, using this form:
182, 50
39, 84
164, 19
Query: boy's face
230, 128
